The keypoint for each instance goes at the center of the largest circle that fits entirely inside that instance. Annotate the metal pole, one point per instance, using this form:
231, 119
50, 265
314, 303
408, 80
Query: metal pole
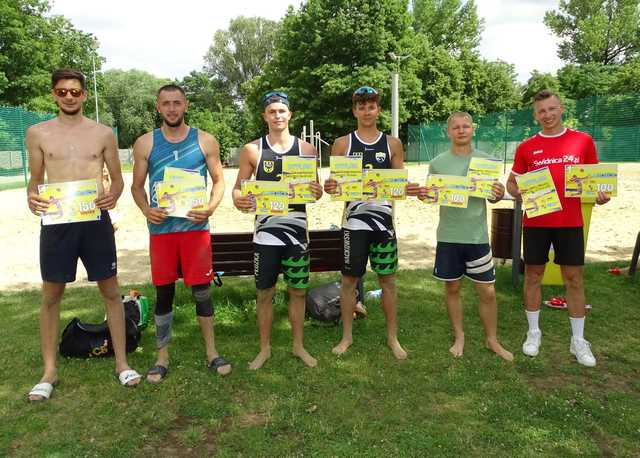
395, 103
311, 133
95, 86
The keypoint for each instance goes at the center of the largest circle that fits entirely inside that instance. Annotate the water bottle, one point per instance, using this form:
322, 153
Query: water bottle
373, 294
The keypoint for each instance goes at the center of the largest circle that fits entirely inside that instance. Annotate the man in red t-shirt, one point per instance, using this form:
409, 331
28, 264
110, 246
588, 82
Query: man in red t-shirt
554, 147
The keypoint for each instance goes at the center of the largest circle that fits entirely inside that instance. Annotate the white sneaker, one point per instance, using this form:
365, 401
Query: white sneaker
531, 346
582, 351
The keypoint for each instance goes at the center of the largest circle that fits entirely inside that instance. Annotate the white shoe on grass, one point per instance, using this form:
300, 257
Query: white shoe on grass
531, 346
581, 349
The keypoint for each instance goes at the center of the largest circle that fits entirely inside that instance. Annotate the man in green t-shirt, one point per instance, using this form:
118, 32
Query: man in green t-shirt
463, 241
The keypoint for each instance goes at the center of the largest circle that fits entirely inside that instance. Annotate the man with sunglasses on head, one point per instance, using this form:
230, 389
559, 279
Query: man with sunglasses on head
178, 246
368, 230
71, 147
280, 241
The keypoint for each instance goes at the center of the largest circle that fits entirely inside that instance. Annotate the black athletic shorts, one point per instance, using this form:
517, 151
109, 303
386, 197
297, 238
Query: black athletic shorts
269, 260
92, 241
455, 260
568, 245
380, 247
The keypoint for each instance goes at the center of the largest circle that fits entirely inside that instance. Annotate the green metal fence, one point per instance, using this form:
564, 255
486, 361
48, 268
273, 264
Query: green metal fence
613, 122
13, 153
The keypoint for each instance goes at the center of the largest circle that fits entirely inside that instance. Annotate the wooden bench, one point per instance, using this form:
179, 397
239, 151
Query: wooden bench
233, 252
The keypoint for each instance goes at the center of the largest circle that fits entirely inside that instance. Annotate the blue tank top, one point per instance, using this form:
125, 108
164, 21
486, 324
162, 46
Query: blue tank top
185, 155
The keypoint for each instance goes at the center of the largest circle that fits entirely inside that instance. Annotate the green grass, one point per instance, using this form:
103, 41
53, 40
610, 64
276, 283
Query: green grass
362, 404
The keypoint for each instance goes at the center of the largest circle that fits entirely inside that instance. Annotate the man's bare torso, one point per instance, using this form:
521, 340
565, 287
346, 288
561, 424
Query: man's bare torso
72, 151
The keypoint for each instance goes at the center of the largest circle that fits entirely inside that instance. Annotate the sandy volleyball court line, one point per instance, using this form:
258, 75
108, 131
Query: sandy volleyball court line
613, 229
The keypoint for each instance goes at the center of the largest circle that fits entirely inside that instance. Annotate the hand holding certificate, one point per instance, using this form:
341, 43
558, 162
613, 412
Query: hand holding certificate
271, 197
385, 184
180, 196
539, 195
298, 173
587, 180
70, 202
448, 190
483, 173
347, 172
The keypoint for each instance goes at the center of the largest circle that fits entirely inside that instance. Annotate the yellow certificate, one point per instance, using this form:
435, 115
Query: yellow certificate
298, 172
347, 171
539, 195
587, 179
271, 197
384, 184
448, 190
180, 196
175, 173
483, 173
70, 202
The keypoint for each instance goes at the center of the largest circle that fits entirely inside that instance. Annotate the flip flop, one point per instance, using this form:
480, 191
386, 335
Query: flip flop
44, 389
157, 370
217, 363
127, 376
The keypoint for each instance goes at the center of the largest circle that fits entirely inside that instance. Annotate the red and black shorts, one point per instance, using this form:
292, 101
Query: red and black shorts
176, 254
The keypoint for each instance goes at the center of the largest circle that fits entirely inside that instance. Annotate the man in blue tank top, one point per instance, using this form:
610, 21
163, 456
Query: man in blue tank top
368, 230
280, 241
178, 246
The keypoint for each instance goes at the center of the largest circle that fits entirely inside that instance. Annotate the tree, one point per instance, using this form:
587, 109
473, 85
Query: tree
32, 46
588, 80
131, 97
538, 82
452, 24
596, 31
327, 49
239, 53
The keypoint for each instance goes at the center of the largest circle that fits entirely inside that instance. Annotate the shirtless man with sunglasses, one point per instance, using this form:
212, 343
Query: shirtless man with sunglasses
71, 147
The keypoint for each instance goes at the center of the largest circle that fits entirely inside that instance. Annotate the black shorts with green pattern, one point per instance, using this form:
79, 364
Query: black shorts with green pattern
379, 247
292, 260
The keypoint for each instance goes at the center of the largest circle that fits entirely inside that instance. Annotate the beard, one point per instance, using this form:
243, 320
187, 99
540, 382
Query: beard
69, 112
175, 123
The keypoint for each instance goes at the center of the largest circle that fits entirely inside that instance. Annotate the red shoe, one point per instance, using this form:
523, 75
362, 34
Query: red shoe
556, 302
614, 271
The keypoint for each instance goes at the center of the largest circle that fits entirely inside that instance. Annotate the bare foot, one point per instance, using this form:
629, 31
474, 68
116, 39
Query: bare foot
47, 378
397, 349
457, 349
495, 347
342, 347
305, 357
262, 357
359, 311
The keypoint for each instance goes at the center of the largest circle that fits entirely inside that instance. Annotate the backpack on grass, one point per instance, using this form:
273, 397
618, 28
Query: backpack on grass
323, 303
85, 340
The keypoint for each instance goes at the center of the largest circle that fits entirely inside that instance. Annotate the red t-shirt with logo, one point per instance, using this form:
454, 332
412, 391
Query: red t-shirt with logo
567, 148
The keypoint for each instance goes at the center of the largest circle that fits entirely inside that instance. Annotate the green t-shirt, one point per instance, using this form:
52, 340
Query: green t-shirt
460, 225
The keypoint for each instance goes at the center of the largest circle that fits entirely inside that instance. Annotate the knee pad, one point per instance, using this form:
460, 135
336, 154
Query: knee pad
164, 298
202, 297
163, 329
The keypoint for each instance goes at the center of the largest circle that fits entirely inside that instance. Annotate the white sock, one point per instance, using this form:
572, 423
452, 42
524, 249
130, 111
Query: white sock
532, 318
577, 327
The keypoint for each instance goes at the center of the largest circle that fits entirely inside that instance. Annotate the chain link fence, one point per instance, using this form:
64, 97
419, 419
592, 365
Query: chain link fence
14, 121
613, 122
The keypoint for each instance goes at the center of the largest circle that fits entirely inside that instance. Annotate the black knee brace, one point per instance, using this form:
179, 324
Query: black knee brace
202, 296
164, 298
